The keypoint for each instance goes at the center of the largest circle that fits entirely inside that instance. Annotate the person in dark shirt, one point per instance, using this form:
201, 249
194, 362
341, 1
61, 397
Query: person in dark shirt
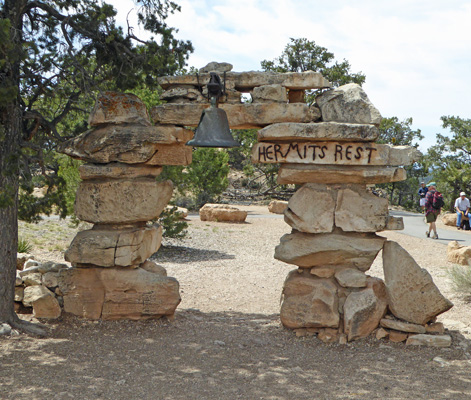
431, 214
422, 193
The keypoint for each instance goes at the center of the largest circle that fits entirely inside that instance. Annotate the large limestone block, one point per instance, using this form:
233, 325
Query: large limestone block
311, 209
309, 302
173, 154
119, 108
246, 81
320, 131
429, 340
358, 210
458, 254
363, 311
118, 171
311, 250
348, 103
329, 174
270, 93
412, 295
43, 301
121, 201
109, 248
130, 144
240, 116
114, 293
221, 213
334, 153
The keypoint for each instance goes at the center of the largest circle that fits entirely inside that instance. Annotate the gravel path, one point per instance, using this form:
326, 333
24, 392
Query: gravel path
226, 341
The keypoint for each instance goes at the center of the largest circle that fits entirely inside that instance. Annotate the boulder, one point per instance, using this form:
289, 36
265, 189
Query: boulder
394, 224
358, 210
351, 277
332, 249
348, 103
240, 116
118, 171
311, 209
397, 336
32, 278
129, 144
221, 213
458, 254
402, 326
330, 174
43, 301
412, 295
429, 340
109, 248
180, 211
309, 302
449, 219
119, 108
277, 206
319, 131
216, 67
269, 94
362, 312
122, 200
116, 293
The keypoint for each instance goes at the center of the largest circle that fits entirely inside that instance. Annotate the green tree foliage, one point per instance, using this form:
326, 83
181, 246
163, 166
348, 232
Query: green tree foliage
302, 55
54, 56
450, 159
400, 133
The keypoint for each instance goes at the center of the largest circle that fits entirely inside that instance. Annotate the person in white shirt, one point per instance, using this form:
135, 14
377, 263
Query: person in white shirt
462, 209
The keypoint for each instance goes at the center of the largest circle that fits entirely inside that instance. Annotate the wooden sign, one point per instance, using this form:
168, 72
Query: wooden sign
334, 153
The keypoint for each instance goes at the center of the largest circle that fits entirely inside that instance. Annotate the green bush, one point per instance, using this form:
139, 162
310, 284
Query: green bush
461, 279
172, 223
24, 246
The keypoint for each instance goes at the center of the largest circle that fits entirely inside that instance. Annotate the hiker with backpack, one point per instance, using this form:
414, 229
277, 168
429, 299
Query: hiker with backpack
433, 204
462, 209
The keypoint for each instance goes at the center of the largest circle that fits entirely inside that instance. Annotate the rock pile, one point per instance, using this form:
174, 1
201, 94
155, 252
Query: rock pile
124, 153
335, 218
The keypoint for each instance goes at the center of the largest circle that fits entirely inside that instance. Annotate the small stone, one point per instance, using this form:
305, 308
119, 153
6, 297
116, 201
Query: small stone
19, 293
402, 326
214, 66
429, 340
5, 329
328, 335
381, 333
32, 279
435, 327
30, 263
397, 337
351, 277
219, 343
441, 361
342, 338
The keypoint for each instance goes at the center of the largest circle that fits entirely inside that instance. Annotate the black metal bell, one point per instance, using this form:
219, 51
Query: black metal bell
213, 129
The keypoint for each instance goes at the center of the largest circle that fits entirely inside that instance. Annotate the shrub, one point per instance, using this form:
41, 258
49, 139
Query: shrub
24, 246
172, 224
461, 279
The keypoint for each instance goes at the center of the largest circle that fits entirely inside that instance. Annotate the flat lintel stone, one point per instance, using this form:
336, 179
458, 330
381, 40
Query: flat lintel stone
329, 174
240, 116
320, 131
118, 171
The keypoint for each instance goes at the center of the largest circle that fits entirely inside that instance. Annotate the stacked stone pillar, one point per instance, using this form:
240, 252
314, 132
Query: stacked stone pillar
112, 277
334, 218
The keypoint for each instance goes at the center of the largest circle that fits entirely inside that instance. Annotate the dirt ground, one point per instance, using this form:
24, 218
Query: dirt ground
226, 341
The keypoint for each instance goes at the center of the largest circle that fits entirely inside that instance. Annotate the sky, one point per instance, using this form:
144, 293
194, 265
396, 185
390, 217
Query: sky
416, 54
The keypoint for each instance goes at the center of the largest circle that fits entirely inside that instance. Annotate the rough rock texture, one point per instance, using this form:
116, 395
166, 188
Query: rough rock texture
362, 312
351, 277
311, 209
118, 171
412, 295
331, 174
458, 254
309, 302
131, 144
402, 326
269, 94
222, 213
240, 116
359, 210
214, 66
171, 154
122, 200
429, 340
449, 219
348, 103
119, 108
43, 301
182, 94
349, 249
319, 131
116, 293
109, 248
277, 206
394, 224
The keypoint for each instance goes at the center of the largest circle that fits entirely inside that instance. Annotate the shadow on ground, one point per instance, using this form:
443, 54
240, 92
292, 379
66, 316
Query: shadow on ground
185, 255
221, 355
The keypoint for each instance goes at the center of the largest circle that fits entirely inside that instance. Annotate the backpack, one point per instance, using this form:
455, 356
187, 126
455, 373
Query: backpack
437, 201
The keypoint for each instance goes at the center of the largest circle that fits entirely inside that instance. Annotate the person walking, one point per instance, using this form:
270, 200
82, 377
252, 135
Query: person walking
431, 213
462, 209
422, 193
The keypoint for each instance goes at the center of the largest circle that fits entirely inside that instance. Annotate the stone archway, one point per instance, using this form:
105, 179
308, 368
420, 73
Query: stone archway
329, 148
